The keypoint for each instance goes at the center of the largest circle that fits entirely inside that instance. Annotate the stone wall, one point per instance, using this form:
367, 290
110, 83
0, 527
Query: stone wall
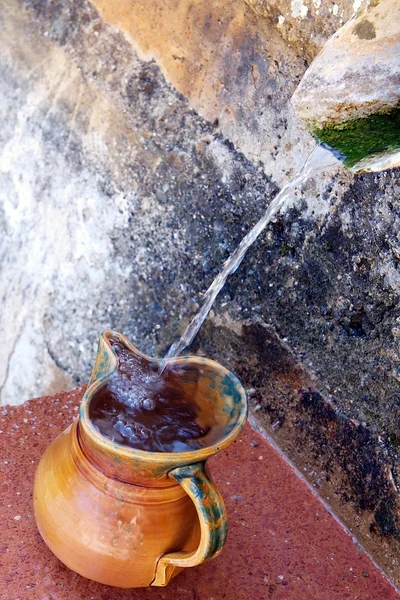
140, 141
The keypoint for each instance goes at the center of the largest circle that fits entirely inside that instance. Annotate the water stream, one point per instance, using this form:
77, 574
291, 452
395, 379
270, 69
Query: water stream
319, 161
137, 407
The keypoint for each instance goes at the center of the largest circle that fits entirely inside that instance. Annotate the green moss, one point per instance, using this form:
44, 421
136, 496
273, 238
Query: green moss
361, 138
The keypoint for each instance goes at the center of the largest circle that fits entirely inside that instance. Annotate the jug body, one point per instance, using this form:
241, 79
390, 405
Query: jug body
108, 530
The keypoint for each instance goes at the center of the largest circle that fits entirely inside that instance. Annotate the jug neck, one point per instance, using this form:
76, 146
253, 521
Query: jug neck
138, 467
111, 459
125, 491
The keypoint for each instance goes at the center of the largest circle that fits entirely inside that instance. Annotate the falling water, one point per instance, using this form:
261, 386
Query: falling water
319, 161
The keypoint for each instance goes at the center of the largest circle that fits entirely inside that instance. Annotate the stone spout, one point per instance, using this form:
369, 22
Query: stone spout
349, 98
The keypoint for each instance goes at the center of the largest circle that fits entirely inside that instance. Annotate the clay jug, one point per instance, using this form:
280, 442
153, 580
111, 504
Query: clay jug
132, 518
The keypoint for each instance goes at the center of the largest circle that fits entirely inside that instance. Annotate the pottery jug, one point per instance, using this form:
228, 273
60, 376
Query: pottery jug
127, 517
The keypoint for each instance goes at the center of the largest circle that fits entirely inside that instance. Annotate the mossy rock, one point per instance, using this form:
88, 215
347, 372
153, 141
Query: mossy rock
362, 138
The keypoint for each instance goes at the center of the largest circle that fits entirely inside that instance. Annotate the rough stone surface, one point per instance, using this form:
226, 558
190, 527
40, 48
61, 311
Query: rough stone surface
358, 71
234, 67
120, 201
128, 187
305, 25
350, 467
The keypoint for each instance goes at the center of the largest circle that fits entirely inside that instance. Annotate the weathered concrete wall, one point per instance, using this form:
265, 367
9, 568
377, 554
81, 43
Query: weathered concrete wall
122, 196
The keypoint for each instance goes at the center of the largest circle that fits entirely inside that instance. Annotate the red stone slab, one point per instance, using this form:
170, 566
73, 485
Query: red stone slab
283, 544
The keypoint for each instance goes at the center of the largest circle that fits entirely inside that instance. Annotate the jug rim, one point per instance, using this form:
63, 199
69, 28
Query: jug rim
126, 453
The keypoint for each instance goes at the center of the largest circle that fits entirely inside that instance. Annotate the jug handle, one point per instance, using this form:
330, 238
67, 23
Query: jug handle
212, 516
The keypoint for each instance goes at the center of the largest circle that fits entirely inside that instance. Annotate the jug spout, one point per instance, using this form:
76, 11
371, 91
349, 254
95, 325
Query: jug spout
349, 98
